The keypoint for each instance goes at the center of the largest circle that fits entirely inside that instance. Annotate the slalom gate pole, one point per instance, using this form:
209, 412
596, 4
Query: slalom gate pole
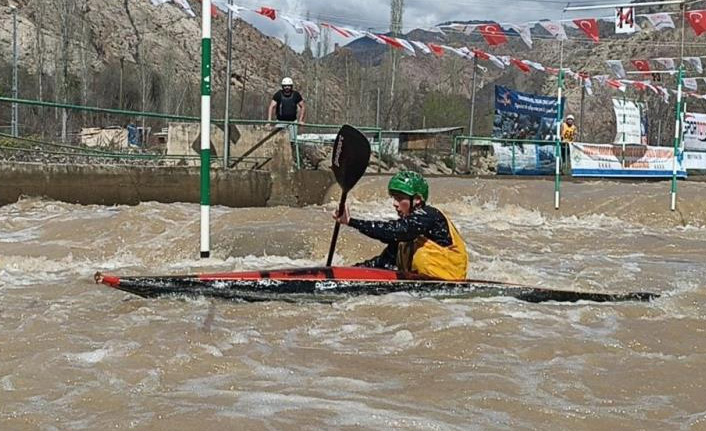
677, 138
205, 127
557, 145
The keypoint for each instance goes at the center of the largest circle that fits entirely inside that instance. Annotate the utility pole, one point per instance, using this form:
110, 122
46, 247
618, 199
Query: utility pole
226, 117
473, 106
15, 116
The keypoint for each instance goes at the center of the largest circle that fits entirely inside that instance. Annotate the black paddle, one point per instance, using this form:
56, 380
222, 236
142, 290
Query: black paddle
351, 154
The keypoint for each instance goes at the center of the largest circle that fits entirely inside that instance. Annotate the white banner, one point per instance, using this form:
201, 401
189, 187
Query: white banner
695, 160
694, 131
606, 160
628, 122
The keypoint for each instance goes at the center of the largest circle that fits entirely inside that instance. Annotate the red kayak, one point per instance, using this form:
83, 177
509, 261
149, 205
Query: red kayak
329, 284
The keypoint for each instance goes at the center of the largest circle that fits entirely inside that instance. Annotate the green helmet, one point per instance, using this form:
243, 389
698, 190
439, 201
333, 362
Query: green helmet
409, 183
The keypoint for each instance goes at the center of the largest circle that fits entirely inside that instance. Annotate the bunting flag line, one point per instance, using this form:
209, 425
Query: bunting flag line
495, 34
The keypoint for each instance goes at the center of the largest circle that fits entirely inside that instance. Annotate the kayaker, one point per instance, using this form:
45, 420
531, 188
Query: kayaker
422, 240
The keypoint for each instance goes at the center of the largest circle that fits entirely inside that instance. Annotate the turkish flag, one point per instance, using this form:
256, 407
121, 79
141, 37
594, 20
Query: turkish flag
697, 19
520, 65
642, 66
589, 26
268, 12
493, 34
436, 49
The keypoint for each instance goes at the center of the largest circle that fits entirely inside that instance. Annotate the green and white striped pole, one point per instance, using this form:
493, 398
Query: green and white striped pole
677, 138
205, 127
557, 145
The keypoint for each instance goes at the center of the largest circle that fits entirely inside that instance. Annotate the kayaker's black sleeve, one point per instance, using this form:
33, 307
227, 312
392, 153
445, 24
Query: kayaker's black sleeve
386, 260
426, 221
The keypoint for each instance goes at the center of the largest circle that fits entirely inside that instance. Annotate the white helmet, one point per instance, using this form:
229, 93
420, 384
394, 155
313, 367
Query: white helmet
569, 117
287, 81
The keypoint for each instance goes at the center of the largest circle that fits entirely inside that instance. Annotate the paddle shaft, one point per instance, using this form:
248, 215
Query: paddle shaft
334, 238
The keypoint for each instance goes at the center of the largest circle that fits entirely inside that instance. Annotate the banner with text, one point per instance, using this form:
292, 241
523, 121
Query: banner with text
606, 160
694, 131
524, 116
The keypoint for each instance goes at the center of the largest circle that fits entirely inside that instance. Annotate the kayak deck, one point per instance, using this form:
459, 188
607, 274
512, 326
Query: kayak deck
332, 284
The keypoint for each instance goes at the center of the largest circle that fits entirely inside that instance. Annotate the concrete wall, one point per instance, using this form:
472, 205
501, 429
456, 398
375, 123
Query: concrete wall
111, 185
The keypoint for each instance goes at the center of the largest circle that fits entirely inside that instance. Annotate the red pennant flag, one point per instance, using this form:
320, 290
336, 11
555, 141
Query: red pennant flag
639, 85
342, 31
520, 65
589, 26
641, 65
697, 20
552, 70
480, 54
268, 12
390, 41
584, 75
436, 49
493, 34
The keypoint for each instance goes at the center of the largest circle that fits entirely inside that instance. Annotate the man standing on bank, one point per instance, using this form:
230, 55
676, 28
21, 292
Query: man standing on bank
287, 104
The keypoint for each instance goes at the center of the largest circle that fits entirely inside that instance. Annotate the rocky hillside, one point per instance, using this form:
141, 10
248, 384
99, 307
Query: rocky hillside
131, 54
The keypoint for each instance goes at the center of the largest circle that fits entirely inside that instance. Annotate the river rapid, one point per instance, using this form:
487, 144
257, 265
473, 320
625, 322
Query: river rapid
78, 356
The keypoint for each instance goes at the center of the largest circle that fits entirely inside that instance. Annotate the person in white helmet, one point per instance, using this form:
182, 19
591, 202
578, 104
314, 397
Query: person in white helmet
287, 104
569, 132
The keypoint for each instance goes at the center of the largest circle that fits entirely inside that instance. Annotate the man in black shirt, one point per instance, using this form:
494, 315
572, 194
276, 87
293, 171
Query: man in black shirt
287, 104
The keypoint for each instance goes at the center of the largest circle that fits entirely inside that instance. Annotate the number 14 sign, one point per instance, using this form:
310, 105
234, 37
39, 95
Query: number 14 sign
624, 20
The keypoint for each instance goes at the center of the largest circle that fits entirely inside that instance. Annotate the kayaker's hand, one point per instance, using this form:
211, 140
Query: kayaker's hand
342, 218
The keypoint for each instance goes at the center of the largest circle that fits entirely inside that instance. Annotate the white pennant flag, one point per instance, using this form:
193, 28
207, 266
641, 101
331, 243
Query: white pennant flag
407, 46
535, 65
617, 67
667, 63
523, 30
588, 85
660, 21
555, 29
601, 79
186, 6
375, 38
665, 93
463, 28
421, 46
302, 26
696, 62
159, 2
690, 83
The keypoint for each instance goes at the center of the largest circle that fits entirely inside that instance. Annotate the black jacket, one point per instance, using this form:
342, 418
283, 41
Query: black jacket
426, 221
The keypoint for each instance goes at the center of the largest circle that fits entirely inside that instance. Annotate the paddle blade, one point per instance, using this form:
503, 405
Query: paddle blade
351, 154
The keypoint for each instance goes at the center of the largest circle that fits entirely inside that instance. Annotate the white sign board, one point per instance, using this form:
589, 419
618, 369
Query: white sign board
694, 131
606, 160
628, 122
625, 20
